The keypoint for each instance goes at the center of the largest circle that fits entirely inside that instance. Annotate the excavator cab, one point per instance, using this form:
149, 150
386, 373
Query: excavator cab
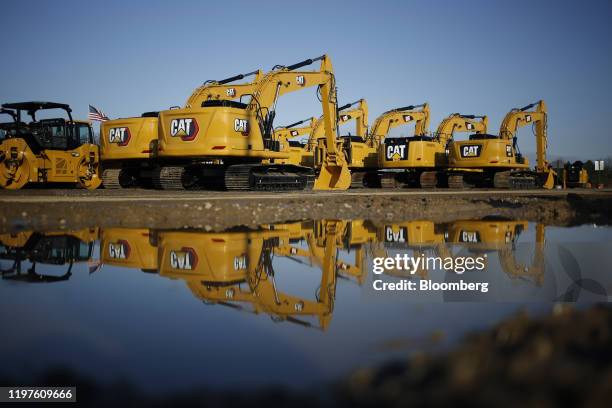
46, 150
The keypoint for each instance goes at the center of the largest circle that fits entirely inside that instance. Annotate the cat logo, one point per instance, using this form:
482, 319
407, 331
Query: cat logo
469, 126
471, 237
240, 262
294, 133
185, 128
527, 118
508, 150
395, 152
407, 118
242, 126
392, 235
344, 118
185, 259
119, 135
470, 150
119, 249
300, 80
231, 92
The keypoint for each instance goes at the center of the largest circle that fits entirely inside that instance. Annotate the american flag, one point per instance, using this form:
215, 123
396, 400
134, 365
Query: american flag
97, 114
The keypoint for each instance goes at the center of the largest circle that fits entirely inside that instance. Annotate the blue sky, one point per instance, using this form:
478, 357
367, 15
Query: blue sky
481, 57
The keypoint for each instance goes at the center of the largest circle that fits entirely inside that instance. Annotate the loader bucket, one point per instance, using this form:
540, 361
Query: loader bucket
333, 177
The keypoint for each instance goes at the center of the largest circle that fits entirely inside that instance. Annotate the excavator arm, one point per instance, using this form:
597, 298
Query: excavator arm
398, 117
284, 306
519, 117
285, 133
223, 89
334, 173
359, 114
457, 122
316, 129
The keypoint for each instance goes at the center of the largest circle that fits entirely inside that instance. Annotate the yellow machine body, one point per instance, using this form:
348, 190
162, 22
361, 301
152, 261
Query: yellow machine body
132, 143
212, 133
424, 152
485, 234
47, 151
129, 138
496, 156
137, 137
129, 248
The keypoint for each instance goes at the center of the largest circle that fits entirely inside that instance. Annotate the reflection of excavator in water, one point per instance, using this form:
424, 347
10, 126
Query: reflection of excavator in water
236, 269
46, 151
234, 144
499, 236
423, 237
51, 248
129, 248
483, 236
495, 160
129, 146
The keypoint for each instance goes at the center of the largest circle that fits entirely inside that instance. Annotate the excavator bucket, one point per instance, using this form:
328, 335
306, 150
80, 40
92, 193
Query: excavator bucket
549, 179
333, 177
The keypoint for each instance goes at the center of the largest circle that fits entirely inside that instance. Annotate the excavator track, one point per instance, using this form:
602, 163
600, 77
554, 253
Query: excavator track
357, 179
428, 179
244, 177
169, 178
514, 180
388, 180
456, 182
111, 179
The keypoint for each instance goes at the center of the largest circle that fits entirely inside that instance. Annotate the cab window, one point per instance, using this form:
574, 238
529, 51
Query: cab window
84, 132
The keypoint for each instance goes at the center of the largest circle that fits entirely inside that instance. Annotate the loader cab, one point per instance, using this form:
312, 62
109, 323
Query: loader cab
45, 249
8, 128
42, 134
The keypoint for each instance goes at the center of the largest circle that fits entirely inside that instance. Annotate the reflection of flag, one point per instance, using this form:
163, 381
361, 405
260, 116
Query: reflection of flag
97, 114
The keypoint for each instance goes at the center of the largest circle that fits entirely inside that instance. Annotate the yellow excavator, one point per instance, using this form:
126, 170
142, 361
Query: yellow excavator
231, 141
495, 160
299, 153
304, 153
421, 160
403, 159
47, 150
129, 145
49, 248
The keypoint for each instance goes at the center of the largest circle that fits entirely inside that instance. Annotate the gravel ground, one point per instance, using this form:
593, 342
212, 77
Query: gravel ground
49, 209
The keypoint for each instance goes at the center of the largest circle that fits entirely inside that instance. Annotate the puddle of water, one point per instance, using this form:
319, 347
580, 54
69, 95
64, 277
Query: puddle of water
292, 304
